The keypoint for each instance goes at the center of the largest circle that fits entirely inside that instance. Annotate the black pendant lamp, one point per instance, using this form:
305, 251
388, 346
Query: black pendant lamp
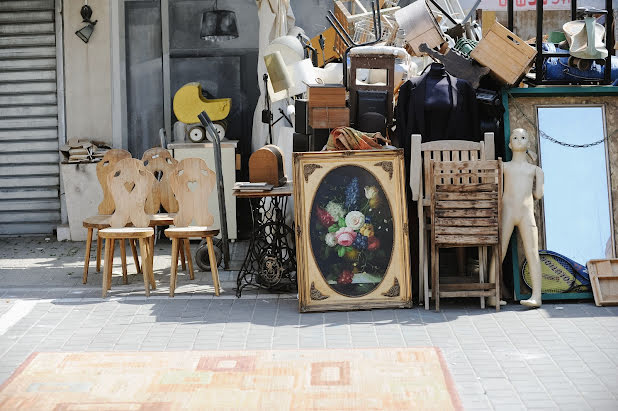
218, 25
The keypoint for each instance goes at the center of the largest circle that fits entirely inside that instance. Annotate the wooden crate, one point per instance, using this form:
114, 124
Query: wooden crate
329, 117
507, 55
420, 27
604, 279
326, 96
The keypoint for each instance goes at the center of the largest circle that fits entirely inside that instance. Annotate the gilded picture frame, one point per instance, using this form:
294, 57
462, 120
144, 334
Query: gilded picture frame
352, 238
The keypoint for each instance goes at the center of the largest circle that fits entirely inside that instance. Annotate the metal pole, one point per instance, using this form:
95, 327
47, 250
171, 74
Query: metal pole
216, 141
510, 14
539, 40
609, 39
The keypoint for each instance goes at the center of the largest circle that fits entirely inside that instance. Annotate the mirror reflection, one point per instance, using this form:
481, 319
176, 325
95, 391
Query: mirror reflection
577, 202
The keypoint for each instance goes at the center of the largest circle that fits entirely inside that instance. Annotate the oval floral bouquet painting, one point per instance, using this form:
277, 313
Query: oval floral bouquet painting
351, 230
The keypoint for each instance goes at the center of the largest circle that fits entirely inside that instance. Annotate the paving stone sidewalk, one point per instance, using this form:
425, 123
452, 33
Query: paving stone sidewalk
560, 357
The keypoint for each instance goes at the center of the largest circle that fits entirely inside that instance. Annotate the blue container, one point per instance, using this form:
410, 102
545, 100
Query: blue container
557, 68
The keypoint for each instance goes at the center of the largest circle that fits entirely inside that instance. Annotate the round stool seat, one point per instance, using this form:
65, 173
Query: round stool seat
127, 232
97, 221
187, 232
162, 219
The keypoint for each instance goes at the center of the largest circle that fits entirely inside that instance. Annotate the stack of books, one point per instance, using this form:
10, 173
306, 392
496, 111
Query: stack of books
245, 187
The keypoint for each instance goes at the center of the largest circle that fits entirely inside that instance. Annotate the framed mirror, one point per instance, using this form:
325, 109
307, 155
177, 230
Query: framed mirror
577, 201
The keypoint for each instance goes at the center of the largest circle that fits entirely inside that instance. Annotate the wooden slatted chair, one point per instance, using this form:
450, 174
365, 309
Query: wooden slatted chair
466, 207
105, 209
161, 164
129, 183
421, 155
192, 183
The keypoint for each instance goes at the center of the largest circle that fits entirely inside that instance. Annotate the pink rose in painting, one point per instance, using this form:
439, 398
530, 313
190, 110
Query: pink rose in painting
345, 236
373, 243
325, 218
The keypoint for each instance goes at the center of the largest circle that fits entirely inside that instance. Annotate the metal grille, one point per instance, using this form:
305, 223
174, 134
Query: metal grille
29, 170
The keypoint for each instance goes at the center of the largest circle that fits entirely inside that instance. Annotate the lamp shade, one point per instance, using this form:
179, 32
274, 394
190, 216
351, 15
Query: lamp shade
277, 72
85, 33
219, 25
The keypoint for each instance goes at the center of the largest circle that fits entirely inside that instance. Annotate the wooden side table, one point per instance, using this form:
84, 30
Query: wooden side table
270, 262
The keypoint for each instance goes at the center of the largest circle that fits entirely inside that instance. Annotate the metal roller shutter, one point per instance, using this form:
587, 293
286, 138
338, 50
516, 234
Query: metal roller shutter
29, 169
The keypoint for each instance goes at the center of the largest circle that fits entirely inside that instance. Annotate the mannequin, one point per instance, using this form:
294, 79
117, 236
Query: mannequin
523, 183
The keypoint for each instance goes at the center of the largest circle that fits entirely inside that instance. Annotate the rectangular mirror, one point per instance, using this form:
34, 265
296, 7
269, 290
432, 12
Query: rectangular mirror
577, 202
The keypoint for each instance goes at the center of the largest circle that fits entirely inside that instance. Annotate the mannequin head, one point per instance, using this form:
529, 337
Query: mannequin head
519, 141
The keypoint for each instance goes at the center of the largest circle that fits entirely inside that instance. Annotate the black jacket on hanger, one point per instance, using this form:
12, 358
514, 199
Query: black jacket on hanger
459, 121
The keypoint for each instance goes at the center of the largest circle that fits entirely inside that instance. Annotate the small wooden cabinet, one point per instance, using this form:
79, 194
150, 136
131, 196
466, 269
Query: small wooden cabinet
205, 151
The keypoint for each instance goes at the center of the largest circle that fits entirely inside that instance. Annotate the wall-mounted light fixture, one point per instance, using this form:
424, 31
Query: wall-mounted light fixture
85, 32
218, 25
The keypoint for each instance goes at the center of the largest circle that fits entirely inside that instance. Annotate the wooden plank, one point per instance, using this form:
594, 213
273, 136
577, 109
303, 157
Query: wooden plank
467, 293
21, 41
39, 75
13, 17
469, 188
465, 240
29, 169
27, 111
466, 195
29, 64
29, 193
466, 286
35, 88
24, 28
29, 217
604, 279
465, 213
28, 147
20, 158
12, 5
485, 166
483, 204
43, 122
31, 205
28, 99
449, 145
444, 176
26, 52
28, 134
467, 231
467, 222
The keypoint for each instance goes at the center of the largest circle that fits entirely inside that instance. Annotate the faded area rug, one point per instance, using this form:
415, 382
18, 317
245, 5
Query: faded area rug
338, 379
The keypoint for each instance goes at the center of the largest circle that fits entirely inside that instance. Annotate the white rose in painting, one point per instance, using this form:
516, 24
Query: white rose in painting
331, 240
370, 192
355, 220
335, 210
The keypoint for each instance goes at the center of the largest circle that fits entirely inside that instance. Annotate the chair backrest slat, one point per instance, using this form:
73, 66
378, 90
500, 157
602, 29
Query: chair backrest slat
192, 183
161, 164
130, 184
104, 167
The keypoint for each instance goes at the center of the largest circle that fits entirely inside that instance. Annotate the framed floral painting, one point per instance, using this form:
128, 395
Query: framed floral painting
352, 241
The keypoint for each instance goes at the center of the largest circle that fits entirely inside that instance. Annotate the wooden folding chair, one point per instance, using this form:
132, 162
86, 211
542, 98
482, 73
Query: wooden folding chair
105, 209
129, 183
192, 182
421, 155
466, 207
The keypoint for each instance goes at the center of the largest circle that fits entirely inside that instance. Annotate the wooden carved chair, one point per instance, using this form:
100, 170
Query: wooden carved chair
466, 201
192, 182
130, 184
106, 208
421, 156
161, 164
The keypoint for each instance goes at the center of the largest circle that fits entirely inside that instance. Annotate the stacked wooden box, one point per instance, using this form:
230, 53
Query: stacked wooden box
327, 106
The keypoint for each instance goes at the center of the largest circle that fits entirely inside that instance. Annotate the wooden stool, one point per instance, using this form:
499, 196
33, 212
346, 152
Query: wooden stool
164, 220
100, 222
180, 239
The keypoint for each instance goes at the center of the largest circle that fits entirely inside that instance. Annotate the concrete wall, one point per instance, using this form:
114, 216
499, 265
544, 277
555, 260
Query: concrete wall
87, 72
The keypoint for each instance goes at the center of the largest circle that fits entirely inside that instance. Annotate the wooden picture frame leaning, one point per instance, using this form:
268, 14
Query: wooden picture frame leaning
352, 239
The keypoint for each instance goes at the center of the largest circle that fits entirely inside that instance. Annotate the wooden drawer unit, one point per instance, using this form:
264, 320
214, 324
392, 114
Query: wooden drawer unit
328, 95
329, 117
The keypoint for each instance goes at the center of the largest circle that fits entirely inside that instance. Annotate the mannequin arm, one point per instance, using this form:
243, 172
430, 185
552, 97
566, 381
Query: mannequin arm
415, 166
540, 179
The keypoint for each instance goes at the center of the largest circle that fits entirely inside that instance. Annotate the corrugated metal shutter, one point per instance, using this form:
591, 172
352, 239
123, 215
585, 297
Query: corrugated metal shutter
29, 170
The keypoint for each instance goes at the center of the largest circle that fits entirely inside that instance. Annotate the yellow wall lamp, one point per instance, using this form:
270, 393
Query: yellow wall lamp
85, 32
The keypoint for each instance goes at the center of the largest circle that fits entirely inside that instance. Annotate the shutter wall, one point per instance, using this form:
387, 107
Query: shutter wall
29, 169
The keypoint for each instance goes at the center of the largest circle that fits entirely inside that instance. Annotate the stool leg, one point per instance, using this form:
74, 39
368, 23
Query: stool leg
174, 274
497, 259
99, 245
107, 266
435, 276
189, 259
153, 283
135, 259
213, 264
109, 284
151, 248
123, 258
482, 252
143, 248
182, 259
87, 257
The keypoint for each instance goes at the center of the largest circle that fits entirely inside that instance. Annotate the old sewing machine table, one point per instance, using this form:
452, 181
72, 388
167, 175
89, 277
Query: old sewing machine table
271, 259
